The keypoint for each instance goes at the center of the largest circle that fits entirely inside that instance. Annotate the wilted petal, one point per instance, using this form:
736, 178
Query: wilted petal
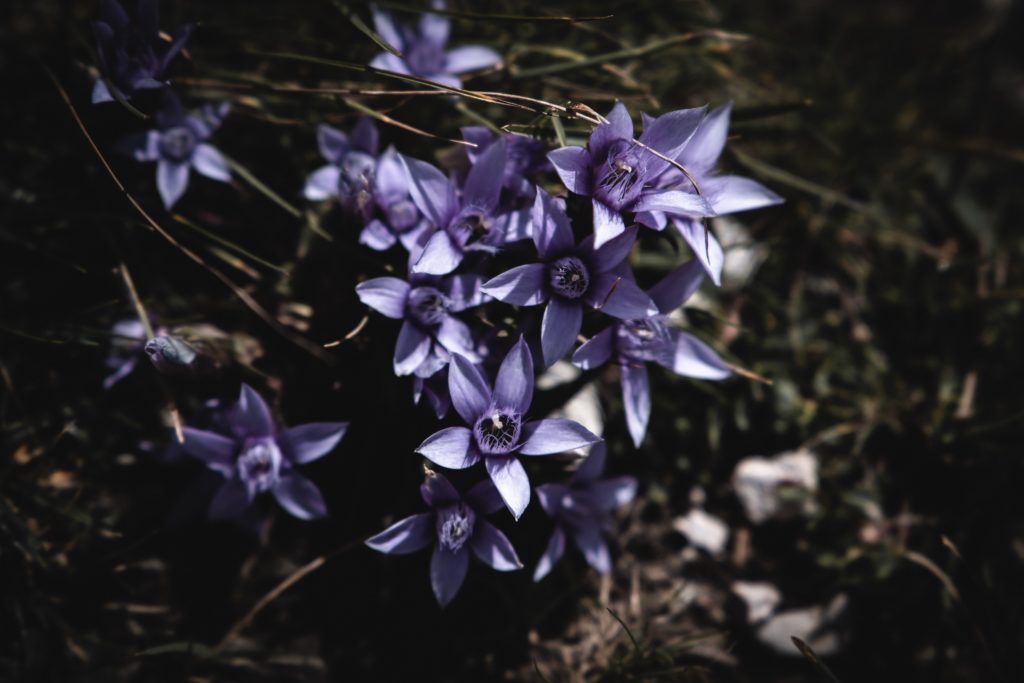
210, 162
510, 479
636, 399
230, 501
470, 391
484, 497
674, 289
332, 142
376, 236
559, 328
322, 184
216, 450
596, 351
608, 223
694, 358
440, 255
412, 348
171, 181
572, 164
493, 548
733, 193
552, 554
451, 447
431, 192
595, 550
470, 58
620, 297
545, 437
447, 572
251, 415
386, 295
675, 202
552, 233
703, 149
483, 184
522, 285
405, 536
305, 443
300, 497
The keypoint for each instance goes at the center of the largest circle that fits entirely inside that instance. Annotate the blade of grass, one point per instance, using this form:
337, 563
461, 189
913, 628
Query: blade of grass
258, 185
361, 26
520, 18
229, 244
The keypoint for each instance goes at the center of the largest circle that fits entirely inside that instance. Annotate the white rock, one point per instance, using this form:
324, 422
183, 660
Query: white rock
703, 531
762, 598
758, 482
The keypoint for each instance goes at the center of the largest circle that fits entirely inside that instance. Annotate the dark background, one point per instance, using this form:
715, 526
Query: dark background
893, 282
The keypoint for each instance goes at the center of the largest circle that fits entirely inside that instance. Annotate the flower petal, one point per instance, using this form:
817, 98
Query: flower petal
384, 24
456, 337
493, 548
365, 137
674, 289
230, 501
552, 233
670, 132
608, 223
550, 497
386, 295
636, 399
389, 178
470, 391
618, 127
513, 387
412, 348
609, 494
322, 183
510, 479
309, 442
733, 193
523, 285
171, 181
431, 192
675, 202
596, 351
332, 142
440, 255
435, 27
484, 497
483, 184
447, 572
552, 554
470, 58
559, 328
437, 491
592, 466
216, 450
376, 236
451, 447
572, 164
595, 550
554, 435
613, 252
251, 415
620, 297
406, 535
694, 358
210, 162
704, 245
705, 146
300, 497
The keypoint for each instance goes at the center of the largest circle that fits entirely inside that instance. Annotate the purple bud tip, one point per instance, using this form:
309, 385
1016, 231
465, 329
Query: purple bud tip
569, 277
455, 525
356, 179
497, 431
170, 353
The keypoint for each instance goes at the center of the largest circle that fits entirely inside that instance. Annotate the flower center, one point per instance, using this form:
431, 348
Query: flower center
402, 214
177, 144
569, 277
427, 306
644, 340
469, 227
619, 180
355, 179
497, 431
455, 525
259, 463
425, 58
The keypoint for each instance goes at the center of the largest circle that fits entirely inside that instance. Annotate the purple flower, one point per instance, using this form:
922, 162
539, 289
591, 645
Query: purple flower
178, 144
423, 52
466, 224
726, 194
498, 433
132, 55
634, 343
453, 525
398, 219
582, 510
430, 331
129, 340
351, 165
618, 172
526, 157
570, 276
435, 389
257, 458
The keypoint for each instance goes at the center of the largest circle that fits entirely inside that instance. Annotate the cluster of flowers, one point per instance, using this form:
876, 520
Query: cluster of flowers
449, 228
